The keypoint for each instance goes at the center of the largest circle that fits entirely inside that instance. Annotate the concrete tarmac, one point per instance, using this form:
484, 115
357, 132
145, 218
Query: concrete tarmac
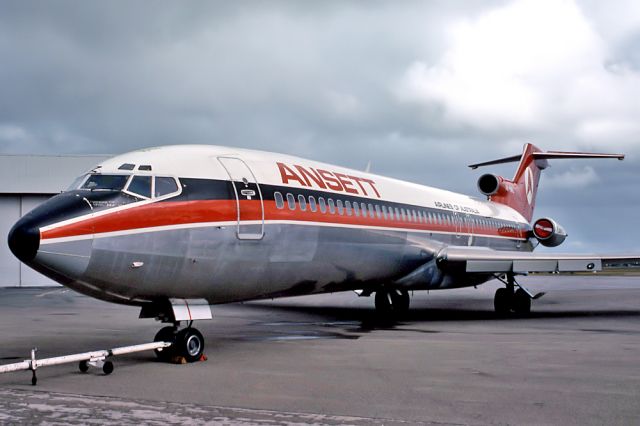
327, 360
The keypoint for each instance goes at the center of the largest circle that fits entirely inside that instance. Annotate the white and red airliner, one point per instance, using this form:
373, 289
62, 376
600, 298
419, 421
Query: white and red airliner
179, 228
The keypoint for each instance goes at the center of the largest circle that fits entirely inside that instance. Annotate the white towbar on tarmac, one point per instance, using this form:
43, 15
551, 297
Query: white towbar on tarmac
87, 359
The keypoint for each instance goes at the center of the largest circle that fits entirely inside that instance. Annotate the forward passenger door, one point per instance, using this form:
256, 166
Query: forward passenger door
249, 203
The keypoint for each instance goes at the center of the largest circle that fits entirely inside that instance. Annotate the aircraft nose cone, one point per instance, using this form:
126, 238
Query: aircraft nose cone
24, 240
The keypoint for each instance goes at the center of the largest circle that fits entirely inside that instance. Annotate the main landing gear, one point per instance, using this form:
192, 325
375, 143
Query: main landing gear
508, 299
187, 343
392, 302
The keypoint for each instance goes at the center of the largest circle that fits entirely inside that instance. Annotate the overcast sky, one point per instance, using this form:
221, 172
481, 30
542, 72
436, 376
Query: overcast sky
420, 89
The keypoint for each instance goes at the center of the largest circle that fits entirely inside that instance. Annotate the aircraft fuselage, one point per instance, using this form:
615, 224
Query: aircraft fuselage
223, 224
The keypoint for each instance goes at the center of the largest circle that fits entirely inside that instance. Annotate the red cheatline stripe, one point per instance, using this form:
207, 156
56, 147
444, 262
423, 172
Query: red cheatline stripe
206, 211
149, 216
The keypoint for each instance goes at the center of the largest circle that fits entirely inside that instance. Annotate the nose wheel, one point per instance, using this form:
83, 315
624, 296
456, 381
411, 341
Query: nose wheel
187, 343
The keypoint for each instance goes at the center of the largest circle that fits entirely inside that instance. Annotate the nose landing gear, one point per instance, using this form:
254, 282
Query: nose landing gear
187, 343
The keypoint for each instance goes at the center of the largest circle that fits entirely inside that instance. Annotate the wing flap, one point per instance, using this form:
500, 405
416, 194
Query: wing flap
481, 260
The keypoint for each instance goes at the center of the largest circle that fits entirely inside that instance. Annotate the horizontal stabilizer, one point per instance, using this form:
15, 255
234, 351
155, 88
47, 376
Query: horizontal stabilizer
513, 159
550, 155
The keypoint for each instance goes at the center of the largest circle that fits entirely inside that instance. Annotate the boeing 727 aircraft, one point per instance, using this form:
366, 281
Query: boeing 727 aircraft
179, 228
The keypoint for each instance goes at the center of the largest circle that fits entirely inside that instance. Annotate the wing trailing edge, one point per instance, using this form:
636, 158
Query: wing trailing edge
486, 261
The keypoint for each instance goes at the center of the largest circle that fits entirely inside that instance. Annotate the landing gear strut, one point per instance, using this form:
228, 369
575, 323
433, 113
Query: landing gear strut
392, 302
508, 299
187, 343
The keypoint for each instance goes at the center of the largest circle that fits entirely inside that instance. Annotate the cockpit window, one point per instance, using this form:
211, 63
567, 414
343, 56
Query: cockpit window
140, 185
77, 183
106, 182
164, 186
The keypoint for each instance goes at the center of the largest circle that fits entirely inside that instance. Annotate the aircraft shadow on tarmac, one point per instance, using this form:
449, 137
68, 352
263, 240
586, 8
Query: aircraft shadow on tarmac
369, 319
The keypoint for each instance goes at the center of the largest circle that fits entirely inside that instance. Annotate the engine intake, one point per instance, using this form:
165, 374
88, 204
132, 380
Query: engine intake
548, 232
489, 184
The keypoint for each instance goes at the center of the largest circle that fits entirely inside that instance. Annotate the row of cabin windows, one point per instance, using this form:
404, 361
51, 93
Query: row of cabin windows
381, 212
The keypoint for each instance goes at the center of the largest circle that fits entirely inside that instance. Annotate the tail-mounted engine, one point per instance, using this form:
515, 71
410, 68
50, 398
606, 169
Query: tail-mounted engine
489, 184
548, 232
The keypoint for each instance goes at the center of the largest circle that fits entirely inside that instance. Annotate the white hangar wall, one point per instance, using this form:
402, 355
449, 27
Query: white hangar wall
25, 182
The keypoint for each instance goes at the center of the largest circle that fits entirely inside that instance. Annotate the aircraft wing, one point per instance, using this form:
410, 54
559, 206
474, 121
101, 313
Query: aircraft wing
483, 260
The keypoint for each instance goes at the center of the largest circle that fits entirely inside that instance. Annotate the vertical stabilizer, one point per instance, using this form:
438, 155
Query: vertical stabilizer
520, 192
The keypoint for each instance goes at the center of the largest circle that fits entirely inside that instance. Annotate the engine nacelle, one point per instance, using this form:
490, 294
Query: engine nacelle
548, 232
489, 184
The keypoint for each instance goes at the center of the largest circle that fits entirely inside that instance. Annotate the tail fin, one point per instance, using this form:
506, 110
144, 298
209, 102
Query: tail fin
520, 192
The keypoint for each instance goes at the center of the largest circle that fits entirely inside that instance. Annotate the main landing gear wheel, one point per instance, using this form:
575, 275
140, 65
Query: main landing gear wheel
521, 302
502, 301
392, 302
507, 301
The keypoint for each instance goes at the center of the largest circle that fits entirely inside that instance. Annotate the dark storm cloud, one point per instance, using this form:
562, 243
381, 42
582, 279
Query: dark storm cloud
342, 82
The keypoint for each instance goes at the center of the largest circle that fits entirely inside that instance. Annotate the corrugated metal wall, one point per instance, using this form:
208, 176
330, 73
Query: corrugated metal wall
12, 272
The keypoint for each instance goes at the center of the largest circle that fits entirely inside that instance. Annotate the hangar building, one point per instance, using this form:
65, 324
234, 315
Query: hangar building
25, 182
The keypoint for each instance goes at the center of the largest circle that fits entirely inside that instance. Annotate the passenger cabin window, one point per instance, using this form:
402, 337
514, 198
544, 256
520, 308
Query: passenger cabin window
378, 213
356, 208
363, 207
332, 206
303, 202
279, 200
291, 201
140, 185
312, 204
106, 182
347, 206
164, 186
322, 204
372, 214
340, 207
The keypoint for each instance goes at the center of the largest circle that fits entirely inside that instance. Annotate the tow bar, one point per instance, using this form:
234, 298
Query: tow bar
96, 359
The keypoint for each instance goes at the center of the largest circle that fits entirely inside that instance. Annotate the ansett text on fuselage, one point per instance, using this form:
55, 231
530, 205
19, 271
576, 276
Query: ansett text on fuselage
325, 179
